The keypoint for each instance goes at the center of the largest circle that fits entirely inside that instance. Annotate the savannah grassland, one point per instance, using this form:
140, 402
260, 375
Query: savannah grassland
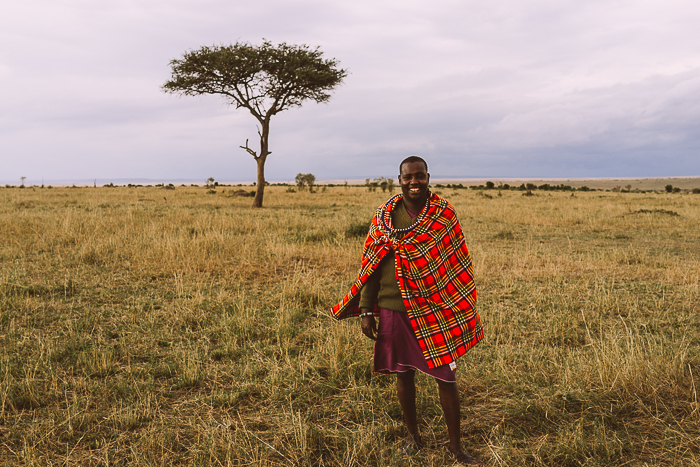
151, 327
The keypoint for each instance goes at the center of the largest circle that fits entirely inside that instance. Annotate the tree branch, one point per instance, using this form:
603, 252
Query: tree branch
250, 151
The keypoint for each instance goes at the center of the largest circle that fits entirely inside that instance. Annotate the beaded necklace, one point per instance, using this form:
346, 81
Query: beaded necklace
385, 215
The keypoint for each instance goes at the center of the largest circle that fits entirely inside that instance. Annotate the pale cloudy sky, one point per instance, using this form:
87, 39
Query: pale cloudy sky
540, 88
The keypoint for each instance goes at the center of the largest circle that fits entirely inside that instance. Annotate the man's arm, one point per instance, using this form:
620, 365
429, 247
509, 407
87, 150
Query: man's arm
367, 301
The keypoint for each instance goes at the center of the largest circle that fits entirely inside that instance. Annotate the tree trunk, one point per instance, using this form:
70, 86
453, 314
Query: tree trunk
260, 188
260, 184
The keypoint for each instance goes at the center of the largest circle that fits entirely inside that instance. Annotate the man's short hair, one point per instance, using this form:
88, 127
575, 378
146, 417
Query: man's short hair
410, 159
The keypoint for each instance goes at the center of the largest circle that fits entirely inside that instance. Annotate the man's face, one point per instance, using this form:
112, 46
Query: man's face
414, 181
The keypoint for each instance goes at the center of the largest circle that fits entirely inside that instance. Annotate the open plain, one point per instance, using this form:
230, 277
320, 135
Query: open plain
151, 327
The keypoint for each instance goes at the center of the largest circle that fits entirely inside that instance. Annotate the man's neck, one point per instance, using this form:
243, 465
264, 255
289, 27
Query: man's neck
415, 208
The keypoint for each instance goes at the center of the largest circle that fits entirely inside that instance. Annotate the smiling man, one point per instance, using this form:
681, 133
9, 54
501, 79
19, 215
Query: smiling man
416, 278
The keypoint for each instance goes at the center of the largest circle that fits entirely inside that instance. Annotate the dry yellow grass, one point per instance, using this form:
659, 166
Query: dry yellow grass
142, 326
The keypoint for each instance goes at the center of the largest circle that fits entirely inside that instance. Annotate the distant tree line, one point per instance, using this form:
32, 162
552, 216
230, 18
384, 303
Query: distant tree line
386, 184
522, 187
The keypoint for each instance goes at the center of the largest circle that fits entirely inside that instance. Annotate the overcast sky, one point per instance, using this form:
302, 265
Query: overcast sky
480, 89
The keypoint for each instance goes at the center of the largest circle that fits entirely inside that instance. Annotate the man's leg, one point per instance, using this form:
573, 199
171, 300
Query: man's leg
449, 399
406, 389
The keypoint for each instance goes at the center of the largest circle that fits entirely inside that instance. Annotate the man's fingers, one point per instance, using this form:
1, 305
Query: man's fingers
369, 327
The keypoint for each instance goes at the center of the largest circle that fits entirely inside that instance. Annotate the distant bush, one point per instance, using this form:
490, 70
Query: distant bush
696, 190
383, 183
303, 180
244, 193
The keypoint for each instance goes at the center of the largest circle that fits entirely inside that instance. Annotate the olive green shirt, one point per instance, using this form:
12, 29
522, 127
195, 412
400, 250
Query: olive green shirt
382, 287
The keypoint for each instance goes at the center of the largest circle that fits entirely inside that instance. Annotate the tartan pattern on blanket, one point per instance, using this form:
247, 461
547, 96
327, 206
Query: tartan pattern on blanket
435, 276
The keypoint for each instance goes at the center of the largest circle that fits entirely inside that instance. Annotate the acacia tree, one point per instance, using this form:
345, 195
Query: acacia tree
264, 79
303, 180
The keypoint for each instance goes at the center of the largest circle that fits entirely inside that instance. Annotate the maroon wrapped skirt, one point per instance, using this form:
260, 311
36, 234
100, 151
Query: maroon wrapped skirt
396, 349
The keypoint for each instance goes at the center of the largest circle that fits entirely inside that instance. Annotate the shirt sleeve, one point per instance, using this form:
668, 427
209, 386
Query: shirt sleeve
368, 294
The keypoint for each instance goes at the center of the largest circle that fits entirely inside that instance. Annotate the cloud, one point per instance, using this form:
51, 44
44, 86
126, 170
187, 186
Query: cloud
541, 88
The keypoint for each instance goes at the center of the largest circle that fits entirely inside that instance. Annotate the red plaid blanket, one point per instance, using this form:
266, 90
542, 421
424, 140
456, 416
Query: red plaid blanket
434, 272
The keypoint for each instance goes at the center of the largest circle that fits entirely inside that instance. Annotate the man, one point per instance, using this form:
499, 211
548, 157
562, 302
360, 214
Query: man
416, 277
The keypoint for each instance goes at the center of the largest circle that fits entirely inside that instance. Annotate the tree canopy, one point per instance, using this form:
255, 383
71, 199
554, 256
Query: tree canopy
264, 79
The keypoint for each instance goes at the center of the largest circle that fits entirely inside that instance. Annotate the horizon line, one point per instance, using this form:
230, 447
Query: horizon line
335, 181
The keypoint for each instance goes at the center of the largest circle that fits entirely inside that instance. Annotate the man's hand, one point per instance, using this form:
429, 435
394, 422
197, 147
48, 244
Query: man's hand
369, 325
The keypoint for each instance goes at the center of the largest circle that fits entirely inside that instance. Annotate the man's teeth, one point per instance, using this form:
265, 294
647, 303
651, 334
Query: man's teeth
414, 190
